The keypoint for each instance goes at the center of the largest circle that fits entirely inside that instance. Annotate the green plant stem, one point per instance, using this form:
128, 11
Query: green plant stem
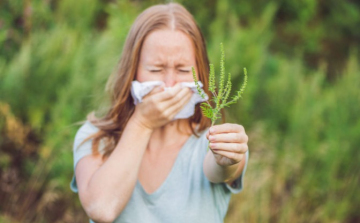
212, 124
213, 113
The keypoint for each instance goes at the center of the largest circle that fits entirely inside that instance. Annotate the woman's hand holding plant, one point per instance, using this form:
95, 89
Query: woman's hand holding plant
228, 142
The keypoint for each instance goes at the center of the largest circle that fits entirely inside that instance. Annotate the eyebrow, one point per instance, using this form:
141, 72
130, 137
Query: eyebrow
183, 65
152, 66
159, 63
163, 65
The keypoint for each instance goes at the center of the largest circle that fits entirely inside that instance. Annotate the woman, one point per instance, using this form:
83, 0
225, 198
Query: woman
137, 164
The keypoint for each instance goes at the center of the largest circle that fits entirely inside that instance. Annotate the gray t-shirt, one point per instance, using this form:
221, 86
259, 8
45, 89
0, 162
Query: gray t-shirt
186, 195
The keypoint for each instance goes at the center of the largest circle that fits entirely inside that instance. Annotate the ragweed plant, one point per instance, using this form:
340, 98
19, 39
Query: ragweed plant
220, 98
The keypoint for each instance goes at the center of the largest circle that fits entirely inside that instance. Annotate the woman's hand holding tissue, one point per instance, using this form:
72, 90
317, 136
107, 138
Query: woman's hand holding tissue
160, 107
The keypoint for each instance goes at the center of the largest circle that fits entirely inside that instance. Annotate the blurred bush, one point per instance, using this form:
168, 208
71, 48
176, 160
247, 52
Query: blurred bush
300, 109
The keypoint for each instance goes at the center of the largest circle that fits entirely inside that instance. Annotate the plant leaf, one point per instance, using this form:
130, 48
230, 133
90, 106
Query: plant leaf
207, 110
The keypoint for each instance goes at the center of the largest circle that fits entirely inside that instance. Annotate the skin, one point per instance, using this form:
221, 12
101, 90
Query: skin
105, 187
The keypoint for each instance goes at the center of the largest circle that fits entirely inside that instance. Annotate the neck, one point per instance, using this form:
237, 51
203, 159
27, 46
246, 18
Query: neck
169, 135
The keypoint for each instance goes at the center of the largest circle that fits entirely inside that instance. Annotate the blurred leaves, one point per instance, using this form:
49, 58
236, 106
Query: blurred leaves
300, 108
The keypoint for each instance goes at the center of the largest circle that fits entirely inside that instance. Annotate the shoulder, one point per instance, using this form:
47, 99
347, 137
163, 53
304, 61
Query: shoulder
86, 130
83, 147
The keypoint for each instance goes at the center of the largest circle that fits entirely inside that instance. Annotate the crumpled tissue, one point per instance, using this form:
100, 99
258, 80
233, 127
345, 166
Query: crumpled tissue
139, 90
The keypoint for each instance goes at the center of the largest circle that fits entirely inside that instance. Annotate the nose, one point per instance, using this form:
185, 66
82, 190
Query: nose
170, 78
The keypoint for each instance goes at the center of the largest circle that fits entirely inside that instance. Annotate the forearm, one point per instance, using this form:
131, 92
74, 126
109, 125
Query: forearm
111, 185
216, 173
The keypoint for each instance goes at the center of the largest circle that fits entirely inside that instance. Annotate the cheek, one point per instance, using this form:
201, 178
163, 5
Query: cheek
139, 75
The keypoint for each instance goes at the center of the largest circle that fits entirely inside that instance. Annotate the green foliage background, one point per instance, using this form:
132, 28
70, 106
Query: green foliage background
300, 109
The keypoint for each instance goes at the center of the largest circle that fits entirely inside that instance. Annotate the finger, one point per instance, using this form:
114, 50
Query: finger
225, 128
185, 92
237, 157
229, 137
163, 106
230, 147
156, 90
169, 94
176, 107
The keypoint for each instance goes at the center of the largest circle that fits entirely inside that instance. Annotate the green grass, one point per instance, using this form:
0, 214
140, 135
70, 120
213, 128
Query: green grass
302, 119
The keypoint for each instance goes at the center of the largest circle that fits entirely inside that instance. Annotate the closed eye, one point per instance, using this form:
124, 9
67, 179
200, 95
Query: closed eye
184, 71
155, 71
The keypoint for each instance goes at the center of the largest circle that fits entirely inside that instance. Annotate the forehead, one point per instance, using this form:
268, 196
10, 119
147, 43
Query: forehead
164, 45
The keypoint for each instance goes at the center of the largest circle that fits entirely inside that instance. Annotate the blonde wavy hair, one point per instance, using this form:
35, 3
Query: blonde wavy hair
165, 16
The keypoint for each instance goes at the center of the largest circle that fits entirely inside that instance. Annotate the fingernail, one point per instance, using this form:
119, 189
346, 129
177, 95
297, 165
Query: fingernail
211, 137
212, 145
212, 130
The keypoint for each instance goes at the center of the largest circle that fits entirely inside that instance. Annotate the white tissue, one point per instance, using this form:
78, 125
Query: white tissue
139, 90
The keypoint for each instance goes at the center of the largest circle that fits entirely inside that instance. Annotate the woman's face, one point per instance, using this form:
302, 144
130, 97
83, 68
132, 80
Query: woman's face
167, 56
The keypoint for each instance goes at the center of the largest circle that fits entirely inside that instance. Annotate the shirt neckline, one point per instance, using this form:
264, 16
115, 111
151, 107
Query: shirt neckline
163, 187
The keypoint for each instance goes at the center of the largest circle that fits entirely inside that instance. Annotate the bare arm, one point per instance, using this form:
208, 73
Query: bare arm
105, 187
217, 173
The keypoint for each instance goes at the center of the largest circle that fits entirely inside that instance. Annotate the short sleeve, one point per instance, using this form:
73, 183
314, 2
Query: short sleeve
81, 149
237, 185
